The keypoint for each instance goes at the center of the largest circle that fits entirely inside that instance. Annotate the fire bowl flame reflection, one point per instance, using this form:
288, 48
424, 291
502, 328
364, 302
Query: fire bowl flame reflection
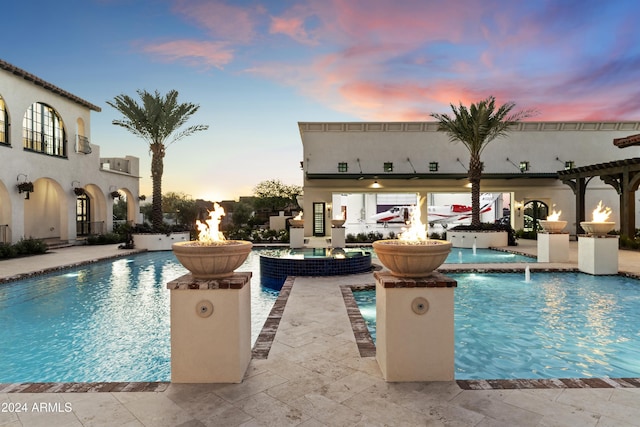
208, 261
553, 226
412, 259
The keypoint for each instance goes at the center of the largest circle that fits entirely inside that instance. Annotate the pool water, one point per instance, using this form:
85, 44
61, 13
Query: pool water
484, 256
107, 321
558, 325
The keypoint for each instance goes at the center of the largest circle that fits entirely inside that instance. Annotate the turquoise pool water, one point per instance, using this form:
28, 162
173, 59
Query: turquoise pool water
484, 256
558, 325
107, 321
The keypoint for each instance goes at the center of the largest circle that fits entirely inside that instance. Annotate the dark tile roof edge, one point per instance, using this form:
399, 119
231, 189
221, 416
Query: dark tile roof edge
46, 85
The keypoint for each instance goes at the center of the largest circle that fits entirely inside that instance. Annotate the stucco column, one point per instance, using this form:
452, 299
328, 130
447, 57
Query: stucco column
415, 327
210, 329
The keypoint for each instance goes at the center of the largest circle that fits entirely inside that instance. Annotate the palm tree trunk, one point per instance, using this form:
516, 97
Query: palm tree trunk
157, 169
475, 173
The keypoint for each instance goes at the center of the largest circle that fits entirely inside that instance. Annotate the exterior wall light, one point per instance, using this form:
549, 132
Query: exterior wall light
524, 166
433, 166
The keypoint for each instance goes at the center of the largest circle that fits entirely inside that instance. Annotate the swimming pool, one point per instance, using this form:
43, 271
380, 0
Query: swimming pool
102, 322
558, 325
484, 256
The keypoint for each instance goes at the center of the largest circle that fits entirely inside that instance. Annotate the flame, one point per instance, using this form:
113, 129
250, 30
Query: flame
208, 231
555, 216
601, 213
298, 217
417, 231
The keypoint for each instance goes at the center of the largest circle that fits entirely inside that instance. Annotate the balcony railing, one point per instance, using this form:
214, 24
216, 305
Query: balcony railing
83, 144
115, 164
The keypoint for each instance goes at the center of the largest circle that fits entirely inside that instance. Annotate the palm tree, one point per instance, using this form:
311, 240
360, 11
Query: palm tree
475, 127
157, 121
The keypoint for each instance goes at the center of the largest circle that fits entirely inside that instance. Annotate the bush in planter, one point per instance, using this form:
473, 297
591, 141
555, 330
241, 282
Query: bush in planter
105, 239
511, 235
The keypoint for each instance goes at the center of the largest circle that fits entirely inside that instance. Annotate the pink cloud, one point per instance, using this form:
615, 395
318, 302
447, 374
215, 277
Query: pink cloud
216, 54
221, 20
292, 27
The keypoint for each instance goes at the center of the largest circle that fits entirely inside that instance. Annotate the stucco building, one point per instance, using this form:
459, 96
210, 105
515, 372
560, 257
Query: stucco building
53, 183
361, 168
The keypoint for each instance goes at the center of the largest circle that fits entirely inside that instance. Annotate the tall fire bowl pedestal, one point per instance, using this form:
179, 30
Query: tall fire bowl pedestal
553, 243
210, 328
597, 250
414, 327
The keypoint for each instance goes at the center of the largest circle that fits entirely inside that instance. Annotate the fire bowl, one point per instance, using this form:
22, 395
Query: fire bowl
553, 226
337, 223
597, 228
212, 261
296, 223
411, 259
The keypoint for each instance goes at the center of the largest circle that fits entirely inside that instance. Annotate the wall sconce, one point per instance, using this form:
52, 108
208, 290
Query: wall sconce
519, 206
433, 166
524, 166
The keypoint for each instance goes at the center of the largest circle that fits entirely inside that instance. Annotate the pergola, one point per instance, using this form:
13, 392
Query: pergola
622, 175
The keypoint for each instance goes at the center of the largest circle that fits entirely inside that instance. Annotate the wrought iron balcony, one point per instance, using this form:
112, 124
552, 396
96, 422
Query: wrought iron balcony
83, 145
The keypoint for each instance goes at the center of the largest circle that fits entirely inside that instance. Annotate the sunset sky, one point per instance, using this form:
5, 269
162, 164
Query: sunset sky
258, 67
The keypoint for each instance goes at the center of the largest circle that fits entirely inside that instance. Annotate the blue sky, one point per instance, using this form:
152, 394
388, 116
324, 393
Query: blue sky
258, 67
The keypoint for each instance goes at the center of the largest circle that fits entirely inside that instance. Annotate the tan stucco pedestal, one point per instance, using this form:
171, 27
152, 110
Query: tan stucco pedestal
338, 238
598, 255
553, 247
210, 329
414, 327
296, 237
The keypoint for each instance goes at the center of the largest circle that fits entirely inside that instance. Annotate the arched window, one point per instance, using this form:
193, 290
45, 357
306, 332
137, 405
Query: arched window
43, 131
534, 211
4, 123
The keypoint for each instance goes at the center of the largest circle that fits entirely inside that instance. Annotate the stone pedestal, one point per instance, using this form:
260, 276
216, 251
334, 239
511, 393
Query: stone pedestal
553, 247
296, 237
210, 329
337, 237
598, 255
414, 327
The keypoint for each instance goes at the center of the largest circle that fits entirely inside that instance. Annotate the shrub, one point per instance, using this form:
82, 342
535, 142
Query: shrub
24, 247
105, 239
7, 251
30, 247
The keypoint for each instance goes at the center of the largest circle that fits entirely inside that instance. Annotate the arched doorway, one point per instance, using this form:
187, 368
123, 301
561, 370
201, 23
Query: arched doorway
534, 211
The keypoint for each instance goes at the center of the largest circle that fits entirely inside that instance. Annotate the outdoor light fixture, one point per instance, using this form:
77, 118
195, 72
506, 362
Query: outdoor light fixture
524, 166
433, 166
388, 166
519, 206
376, 184
343, 167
